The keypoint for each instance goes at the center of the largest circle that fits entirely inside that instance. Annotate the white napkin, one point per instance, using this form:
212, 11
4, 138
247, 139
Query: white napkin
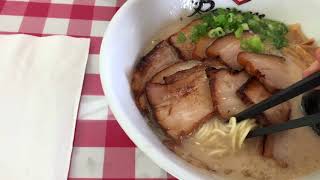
40, 86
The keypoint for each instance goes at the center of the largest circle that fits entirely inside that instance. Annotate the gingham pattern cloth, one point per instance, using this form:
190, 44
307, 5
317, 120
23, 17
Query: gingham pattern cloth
101, 149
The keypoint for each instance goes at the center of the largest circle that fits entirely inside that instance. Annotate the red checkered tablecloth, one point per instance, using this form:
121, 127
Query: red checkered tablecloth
101, 148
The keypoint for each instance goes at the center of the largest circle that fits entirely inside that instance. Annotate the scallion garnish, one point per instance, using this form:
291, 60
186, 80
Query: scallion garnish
252, 44
199, 31
238, 33
217, 32
224, 21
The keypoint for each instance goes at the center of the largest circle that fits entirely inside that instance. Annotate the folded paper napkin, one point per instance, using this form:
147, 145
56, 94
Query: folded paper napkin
40, 85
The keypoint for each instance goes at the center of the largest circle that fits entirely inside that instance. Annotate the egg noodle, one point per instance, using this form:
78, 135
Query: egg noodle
219, 138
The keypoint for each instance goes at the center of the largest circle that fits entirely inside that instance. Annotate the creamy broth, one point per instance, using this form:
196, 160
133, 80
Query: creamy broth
299, 146
166, 32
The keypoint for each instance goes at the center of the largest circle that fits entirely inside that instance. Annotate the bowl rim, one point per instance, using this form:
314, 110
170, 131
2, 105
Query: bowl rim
140, 141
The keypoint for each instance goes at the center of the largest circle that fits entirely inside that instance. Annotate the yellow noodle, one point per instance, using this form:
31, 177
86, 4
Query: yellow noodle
218, 138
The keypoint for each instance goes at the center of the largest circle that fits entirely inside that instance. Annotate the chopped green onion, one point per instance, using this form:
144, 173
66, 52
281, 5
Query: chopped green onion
227, 30
199, 31
181, 38
255, 26
239, 18
252, 44
280, 42
224, 21
256, 18
208, 18
221, 11
238, 33
247, 16
221, 20
245, 27
218, 32
230, 17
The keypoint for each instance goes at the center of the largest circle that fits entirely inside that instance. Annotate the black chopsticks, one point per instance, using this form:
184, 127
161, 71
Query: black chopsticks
311, 120
296, 89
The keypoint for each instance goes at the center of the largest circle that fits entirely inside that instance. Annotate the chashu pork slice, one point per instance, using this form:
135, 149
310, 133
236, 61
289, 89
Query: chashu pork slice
300, 55
182, 106
296, 35
227, 48
185, 48
200, 50
161, 57
273, 148
224, 85
253, 92
216, 63
180, 66
272, 71
213, 63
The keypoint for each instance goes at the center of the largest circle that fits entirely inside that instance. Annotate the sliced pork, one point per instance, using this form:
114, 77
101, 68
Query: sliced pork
159, 78
161, 57
216, 63
296, 35
213, 63
299, 55
185, 48
224, 85
183, 74
180, 107
227, 48
273, 148
311, 49
201, 47
253, 92
270, 70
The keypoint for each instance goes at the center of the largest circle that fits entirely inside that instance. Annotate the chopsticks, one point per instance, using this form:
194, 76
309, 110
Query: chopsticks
311, 120
294, 90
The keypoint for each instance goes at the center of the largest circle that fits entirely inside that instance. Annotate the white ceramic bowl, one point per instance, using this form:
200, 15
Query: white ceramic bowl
129, 32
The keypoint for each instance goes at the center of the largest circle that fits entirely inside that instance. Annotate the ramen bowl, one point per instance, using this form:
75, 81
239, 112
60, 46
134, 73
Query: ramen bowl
129, 32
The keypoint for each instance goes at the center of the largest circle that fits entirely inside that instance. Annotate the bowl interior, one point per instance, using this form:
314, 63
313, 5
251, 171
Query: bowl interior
127, 35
